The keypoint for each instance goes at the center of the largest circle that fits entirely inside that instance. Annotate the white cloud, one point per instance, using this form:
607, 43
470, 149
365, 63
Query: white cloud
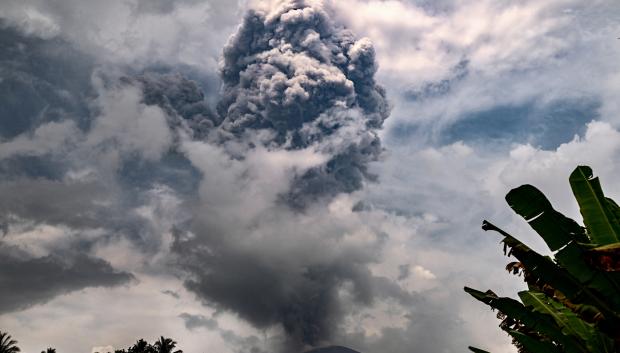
30, 20
53, 137
515, 53
494, 37
127, 126
130, 32
102, 349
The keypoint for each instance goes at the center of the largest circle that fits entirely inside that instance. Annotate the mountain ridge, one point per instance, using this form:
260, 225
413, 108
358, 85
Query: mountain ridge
332, 349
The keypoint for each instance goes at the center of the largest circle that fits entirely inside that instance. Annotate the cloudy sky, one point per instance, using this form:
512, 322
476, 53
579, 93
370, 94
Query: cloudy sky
271, 176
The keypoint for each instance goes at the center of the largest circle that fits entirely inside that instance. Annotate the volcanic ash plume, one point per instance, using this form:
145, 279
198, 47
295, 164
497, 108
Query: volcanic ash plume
294, 73
298, 123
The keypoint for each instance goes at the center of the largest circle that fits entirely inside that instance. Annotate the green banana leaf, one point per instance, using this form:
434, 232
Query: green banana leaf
540, 266
549, 273
558, 231
601, 215
573, 301
535, 321
568, 321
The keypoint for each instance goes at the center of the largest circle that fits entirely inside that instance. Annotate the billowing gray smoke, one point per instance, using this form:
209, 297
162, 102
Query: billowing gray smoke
299, 82
296, 73
181, 98
295, 76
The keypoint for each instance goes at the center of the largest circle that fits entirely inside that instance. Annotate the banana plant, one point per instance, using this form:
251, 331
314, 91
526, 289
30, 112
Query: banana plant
572, 304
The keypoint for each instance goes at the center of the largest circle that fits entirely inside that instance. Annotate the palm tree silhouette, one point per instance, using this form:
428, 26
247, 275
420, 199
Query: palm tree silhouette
49, 350
141, 346
8, 344
166, 345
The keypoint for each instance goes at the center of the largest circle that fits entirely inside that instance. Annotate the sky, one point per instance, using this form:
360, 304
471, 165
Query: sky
273, 176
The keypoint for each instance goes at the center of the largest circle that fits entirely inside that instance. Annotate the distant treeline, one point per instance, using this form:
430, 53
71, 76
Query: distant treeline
162, 345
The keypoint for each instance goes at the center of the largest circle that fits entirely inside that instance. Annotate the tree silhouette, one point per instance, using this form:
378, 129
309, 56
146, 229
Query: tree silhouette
49, 350
166, 345
141, 346
8, 344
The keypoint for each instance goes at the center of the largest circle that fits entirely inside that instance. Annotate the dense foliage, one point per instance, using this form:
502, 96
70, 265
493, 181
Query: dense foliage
572, 303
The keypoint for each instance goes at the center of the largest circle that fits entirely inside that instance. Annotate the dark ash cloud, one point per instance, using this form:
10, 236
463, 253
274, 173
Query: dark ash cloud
55, 202
332, 349
241, 344
292, 80
26, 281
48, 104
295, 73
50, 75
181, 98
297, 287
302, 300
193, 322
299, 80
171, 293
55, 138
80, 205
404, 271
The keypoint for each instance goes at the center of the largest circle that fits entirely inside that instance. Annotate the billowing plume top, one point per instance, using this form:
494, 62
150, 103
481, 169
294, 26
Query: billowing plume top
287, 67
293, 72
